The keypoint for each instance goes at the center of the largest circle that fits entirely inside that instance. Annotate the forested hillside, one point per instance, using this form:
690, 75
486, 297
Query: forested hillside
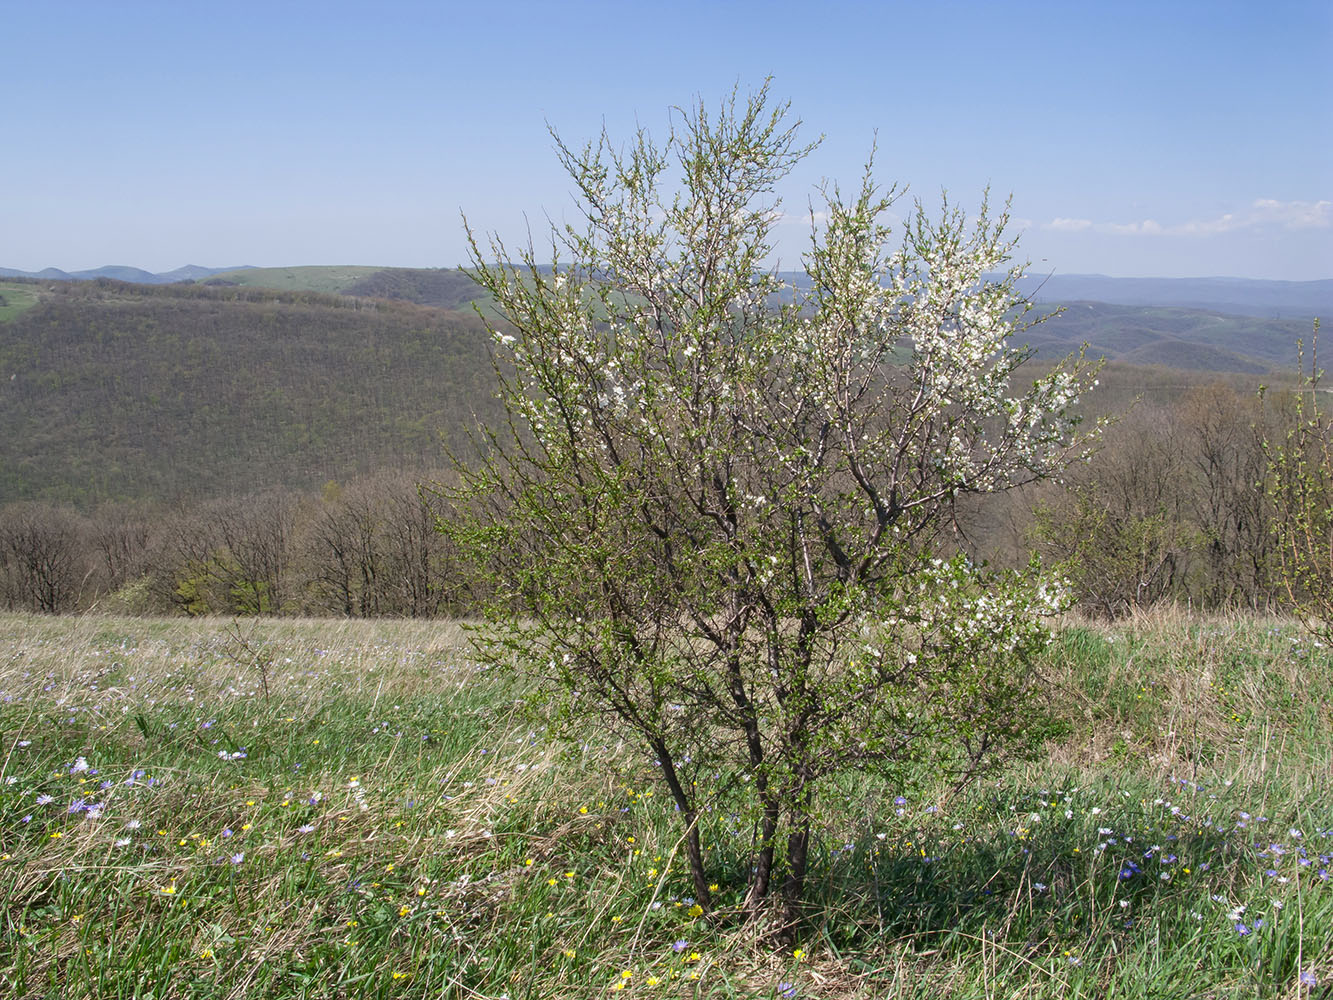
1187, 339
111, 391
235, 448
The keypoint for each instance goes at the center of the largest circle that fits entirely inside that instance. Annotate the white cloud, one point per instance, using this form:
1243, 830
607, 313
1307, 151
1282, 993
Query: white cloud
1148, 227
1208, 227
1069, 225
1264, 212
803, 218
1295, 214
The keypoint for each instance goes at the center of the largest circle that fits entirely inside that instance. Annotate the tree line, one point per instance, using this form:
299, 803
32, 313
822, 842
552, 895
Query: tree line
1173, 507
366, 549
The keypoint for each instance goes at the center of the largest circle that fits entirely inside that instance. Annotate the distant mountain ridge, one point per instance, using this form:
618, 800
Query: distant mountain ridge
1243, 296
1238, 296
121, 272
448, 287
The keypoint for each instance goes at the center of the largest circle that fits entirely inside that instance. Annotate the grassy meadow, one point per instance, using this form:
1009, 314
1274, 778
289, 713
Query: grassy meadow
292, 808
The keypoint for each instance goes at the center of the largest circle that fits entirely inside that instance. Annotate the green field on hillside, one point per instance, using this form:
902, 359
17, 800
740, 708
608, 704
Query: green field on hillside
330, 280
298, 808
16, 298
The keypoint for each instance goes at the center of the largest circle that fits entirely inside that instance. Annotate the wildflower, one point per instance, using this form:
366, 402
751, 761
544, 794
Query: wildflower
238, 857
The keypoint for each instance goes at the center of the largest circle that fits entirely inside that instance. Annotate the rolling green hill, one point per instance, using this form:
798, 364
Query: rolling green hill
444, 287
448, 288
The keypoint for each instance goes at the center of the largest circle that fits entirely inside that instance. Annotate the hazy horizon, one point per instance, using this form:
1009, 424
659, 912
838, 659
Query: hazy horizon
1032, 272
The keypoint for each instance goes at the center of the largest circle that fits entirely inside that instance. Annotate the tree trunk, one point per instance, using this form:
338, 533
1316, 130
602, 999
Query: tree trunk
693, 848
793, 886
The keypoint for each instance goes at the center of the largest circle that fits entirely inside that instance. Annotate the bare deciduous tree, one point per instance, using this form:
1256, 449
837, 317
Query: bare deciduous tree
42, 564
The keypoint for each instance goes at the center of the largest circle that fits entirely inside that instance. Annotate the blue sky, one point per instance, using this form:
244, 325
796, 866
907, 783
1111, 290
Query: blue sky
1165, 139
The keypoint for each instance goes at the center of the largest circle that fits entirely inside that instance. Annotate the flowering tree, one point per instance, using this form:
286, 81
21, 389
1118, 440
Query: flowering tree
718, 508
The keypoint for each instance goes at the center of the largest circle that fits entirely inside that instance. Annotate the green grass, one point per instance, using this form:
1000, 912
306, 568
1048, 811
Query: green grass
391, 822
16, 298
330, 280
